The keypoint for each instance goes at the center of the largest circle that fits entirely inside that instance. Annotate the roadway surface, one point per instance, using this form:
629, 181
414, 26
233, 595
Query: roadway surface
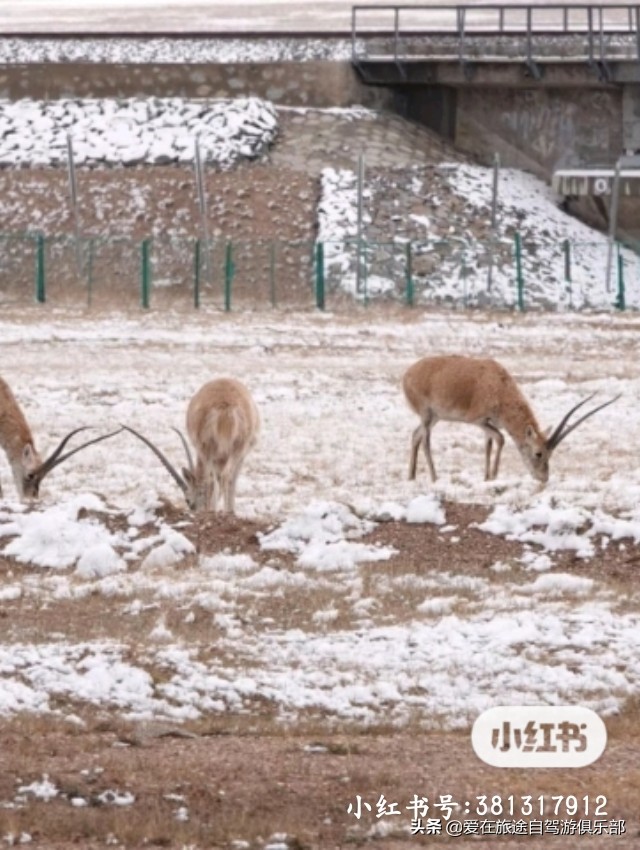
21, 17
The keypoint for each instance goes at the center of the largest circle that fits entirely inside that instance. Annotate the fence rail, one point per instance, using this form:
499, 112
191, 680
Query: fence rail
513, 273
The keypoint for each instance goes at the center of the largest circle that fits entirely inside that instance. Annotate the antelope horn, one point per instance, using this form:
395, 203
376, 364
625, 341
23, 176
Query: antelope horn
56, 457
182, 484
187, 450
559, 434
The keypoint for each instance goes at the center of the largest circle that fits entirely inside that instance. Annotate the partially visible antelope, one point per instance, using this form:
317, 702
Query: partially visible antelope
481, 392
222, 424
16, 439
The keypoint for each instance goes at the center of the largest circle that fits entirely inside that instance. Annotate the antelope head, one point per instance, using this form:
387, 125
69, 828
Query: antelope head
33, 470
537, 449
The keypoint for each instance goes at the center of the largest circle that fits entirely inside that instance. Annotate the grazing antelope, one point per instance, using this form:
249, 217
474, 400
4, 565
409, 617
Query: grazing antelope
481, 392
16, 439
222, 424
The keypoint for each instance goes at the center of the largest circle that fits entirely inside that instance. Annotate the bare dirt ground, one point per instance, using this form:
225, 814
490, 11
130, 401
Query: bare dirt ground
257, 782
246, 777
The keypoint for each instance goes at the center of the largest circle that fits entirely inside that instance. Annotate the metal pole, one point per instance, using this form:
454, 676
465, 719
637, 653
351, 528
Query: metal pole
359, 274
601, 35
396, 33
229, 270
519, 274
145, 278
621, 300
272, 273
320, 290
40, 272
196, 275
410, 293
73, 190
90, 274
494, 216
461, 24
353, 33
202, 202
566, 247
613, 220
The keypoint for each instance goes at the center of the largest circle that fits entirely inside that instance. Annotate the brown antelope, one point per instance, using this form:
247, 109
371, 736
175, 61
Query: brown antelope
481, 392
16, 439
222, 424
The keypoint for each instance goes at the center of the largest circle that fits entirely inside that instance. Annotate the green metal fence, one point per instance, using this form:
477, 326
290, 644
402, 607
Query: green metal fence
515, 273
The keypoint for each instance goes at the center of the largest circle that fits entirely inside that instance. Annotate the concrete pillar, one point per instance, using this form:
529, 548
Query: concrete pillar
631, 118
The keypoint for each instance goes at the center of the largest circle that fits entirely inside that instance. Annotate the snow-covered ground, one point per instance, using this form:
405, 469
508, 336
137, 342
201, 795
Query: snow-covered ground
332, 460
457, 245
173, 50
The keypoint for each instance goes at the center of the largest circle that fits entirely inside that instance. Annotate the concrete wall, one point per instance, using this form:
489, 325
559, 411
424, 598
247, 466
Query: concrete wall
541, 129
296, 84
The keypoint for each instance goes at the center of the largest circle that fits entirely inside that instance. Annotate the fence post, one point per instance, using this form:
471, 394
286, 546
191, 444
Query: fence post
320, 292
519, 275
620, 300
196, 275
40, 270
410, 291
494, 216
90, 273
566, 247
360, 218
272, 273
145, 277
229, 270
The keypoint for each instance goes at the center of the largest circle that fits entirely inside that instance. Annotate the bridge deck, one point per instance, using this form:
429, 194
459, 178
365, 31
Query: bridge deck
561, 34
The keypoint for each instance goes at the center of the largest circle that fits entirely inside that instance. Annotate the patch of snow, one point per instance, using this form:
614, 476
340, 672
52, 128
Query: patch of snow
426, 509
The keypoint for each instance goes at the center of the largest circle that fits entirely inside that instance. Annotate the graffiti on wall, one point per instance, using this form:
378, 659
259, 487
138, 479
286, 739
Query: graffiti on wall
557, 128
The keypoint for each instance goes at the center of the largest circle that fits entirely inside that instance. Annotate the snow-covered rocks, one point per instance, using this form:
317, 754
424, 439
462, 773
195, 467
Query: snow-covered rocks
158, 131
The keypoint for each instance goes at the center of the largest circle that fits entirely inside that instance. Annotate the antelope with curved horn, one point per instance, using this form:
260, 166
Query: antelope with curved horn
16, 439
222, 424
481, 392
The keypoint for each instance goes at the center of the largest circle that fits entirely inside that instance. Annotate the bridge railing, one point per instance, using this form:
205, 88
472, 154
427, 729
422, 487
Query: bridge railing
595, 33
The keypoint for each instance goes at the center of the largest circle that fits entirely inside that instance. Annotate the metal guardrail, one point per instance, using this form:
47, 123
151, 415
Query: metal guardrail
599, 29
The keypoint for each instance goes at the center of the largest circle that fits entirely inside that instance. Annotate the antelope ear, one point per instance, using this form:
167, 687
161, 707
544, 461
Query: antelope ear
548, 431
187, 475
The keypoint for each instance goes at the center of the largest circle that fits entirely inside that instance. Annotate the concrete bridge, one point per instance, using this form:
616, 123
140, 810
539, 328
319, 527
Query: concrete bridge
554, 89
550, 88
553, 45
578, 67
